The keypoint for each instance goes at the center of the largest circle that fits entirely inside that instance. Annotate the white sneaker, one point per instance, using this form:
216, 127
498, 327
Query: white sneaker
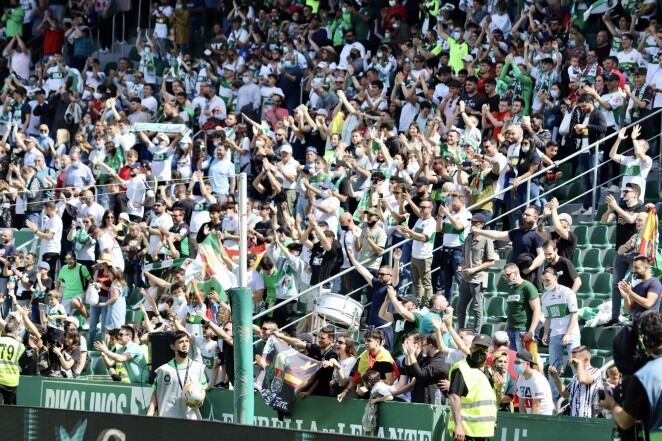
578, 212
588, 212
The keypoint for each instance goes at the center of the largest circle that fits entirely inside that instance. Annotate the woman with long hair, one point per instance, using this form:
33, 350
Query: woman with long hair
346, 350
116, 303
107, 240
102, 282
72, 346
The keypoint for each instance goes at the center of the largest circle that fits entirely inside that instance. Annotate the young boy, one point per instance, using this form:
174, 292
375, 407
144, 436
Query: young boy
53, 315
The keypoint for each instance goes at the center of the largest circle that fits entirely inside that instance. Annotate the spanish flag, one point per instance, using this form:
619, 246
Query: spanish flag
649, 236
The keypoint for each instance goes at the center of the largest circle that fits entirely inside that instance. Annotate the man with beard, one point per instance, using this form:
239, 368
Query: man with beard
625, 214
645, 295
471, 395
168, 395
323, 351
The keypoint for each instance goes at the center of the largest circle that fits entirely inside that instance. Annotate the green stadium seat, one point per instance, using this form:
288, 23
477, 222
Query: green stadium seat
608, 258
496, 309
612, 234
598, 361
134, 316
588, 336
491, 284
599, 237
591, 261
602, 283
577, 259
581, 231
99, 367
502, 285
586, 290
651, 194
487, 329
605, 340
601, 210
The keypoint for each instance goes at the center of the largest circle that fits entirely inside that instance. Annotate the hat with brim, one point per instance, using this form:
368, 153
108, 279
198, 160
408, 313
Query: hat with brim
106, 258
526, 356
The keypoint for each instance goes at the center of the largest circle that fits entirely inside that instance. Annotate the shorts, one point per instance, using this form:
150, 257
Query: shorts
67, 303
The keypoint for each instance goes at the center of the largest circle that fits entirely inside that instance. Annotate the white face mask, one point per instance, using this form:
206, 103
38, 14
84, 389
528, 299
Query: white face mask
379, 54
259, 143
554, 94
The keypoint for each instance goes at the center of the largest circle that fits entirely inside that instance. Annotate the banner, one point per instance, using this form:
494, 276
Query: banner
38, 424
208, 267
287, 370
161, 127
401, 421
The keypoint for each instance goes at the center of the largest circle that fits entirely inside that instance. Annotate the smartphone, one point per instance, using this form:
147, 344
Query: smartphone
601, 394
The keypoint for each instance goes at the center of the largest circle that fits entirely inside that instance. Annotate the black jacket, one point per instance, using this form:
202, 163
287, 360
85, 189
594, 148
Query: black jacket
427, 371
597, 126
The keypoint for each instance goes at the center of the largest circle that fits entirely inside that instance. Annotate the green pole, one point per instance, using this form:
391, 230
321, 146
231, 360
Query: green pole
242, 338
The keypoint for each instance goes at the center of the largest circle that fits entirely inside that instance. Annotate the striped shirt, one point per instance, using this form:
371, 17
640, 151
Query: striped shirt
584, 397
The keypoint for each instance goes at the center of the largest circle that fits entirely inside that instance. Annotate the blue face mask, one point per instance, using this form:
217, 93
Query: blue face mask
519, 369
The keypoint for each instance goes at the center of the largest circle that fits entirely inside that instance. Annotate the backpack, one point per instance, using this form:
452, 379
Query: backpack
73, 114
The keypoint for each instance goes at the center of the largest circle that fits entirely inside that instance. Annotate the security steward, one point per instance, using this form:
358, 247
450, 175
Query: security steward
11, 350
471, 396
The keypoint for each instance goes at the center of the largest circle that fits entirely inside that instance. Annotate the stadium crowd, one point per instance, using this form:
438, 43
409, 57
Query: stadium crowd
381, 140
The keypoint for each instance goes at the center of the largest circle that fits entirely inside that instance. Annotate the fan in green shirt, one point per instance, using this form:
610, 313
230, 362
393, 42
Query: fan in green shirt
519, 84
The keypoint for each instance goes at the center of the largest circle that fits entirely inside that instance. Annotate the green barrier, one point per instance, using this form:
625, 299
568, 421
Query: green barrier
402, 421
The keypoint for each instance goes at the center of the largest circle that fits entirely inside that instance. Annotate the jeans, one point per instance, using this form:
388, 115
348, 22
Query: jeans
7, 304
621, 266
470, 292
451, 260
586, 162
97, 315
405, 273
559, 356
515, 340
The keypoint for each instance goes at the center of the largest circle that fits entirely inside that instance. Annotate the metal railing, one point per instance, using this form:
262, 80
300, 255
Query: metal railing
594, 190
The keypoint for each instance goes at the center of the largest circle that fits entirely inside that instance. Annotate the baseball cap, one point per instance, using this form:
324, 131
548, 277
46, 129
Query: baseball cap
307, 170
286, 148
311, 148
525, 356
327, 185
482, 340
125, 216
74, 320
371, 210
135, 165
45, 265
566, 217
478, 217
468, 58
322, 112
422, 181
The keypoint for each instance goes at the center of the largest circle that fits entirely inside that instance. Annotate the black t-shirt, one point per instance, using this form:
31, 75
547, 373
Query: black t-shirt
566, 247
652, 286
323, 263
565, 271
412, 216
324, 375
624, 231
525, 162
262, 227
186, 205
212, 227
378, 294
635, 399
524, 241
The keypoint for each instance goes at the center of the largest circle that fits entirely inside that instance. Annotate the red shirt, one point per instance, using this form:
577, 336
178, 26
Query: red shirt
124, 173
53, 41
499, 116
